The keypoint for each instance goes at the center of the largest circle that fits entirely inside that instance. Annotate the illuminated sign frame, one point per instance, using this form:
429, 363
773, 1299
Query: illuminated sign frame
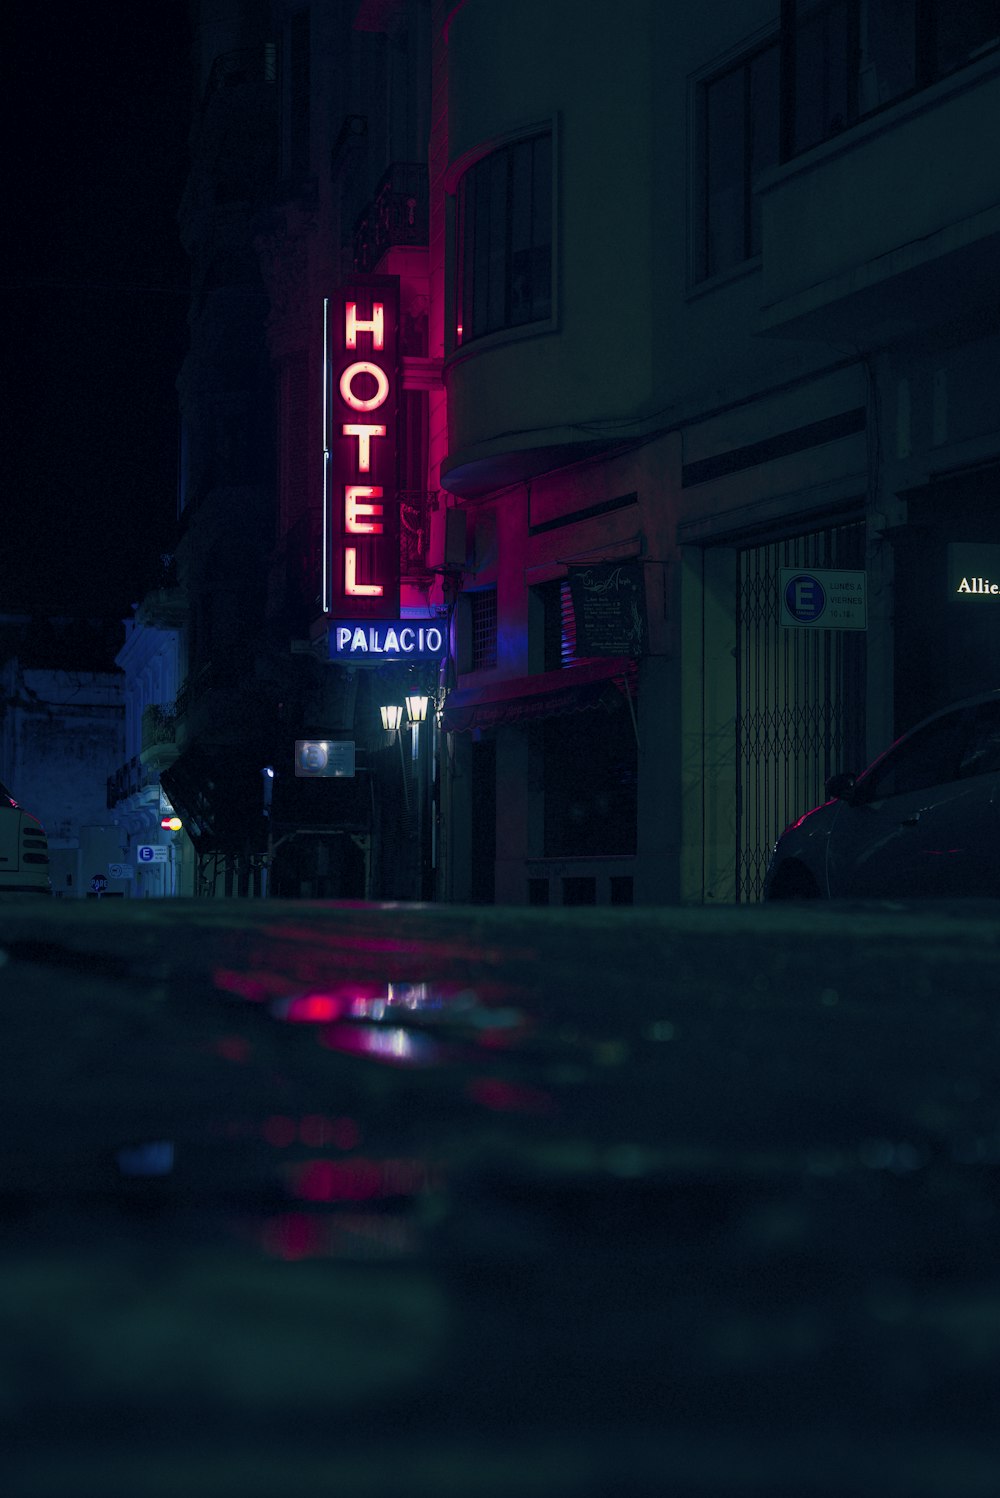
402, 639
360, 546
973, 570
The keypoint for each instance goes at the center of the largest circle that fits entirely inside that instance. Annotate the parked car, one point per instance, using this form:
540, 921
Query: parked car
24, 850
924, 819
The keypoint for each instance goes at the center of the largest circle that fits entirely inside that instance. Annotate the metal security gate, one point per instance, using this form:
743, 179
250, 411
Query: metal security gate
800, 697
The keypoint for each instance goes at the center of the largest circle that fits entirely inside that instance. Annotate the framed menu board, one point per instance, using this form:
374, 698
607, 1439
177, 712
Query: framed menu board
609, 607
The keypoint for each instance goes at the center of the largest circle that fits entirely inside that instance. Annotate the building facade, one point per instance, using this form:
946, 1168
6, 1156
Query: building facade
627, 392
719, 338
160, 860
61, 737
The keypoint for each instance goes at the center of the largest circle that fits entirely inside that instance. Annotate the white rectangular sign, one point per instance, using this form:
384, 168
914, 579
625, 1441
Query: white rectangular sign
324, 758
823, 598
148, 853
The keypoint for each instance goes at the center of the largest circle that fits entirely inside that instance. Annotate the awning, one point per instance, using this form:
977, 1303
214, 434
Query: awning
521, 699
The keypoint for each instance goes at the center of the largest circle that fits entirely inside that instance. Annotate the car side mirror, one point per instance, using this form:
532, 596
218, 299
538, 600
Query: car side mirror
841, 787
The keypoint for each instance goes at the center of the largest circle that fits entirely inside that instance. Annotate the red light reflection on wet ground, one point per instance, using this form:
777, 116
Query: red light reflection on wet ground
234, 1048
510, 1097
392, 1044
315, 1130
257, 986
312, 937
350, 1235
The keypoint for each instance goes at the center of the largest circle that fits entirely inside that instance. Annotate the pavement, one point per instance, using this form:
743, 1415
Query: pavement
366, 1199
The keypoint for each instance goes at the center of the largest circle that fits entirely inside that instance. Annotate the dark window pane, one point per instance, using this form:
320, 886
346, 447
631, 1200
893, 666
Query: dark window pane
520, 234
889, 52
589, 780
740, 124
963, 28
725, 157
481, 255
503, 260
763, 113
484, 628
541, 228
825, 73
461, 198
499, 216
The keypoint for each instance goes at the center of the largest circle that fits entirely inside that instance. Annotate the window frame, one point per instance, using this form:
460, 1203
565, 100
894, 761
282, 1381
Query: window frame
456, 347
928, 65
739, 60
483, 643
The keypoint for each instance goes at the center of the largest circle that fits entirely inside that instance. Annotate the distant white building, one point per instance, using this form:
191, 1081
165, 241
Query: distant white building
61, 735
161, 861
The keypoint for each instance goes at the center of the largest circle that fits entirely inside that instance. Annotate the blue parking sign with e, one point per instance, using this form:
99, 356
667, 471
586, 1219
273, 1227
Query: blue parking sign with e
805, 598
146, 853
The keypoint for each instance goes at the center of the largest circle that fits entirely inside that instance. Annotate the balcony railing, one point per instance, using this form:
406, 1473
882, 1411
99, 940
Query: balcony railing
397, 215
129, 779
159, 726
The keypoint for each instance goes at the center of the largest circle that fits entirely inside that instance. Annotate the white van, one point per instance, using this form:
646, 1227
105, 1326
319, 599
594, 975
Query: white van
24, 850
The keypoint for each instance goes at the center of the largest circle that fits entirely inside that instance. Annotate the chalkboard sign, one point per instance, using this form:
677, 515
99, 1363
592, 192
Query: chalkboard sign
609, 608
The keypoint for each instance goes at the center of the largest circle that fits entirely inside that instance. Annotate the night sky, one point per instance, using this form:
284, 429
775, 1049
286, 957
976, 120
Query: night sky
97, 107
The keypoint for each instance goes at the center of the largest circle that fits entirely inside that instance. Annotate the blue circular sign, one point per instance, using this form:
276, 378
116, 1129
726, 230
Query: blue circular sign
805, 597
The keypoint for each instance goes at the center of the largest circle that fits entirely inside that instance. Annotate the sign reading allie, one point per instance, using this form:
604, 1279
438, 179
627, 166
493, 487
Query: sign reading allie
419, 639
360, 501
973, 572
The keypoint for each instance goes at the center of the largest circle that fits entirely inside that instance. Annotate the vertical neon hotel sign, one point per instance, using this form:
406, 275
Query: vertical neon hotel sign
360, 501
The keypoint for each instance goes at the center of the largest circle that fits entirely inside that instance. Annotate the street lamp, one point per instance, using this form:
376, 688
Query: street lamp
392, 716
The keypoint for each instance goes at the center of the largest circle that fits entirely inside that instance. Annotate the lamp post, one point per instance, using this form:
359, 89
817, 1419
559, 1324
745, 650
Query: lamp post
392, 717
417, 704
416, 712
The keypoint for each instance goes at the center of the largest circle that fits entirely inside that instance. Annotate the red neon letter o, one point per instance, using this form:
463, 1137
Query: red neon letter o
355, 401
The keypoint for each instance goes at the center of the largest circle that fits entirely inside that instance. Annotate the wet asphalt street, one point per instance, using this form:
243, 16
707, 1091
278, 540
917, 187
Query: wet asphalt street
439, 1202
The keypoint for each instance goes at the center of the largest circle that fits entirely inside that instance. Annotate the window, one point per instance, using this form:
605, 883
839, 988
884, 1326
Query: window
844, 59
589, 785
503, 241
739, 140
483, 606
558, 626
823, 42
